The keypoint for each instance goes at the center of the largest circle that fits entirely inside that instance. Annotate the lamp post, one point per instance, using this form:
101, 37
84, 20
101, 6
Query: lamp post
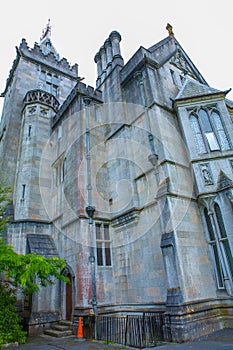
90, 209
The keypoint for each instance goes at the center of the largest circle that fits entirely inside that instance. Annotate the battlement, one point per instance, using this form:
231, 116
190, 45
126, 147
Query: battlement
51, 59
79, 89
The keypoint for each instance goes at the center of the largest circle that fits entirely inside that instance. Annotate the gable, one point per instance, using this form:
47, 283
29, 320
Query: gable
179, 61
224, 181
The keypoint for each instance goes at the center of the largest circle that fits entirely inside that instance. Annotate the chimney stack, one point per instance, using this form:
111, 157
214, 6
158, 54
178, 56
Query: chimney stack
108, 57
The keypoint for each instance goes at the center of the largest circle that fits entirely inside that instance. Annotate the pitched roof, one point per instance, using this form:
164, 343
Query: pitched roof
224, 181
192, 88
42, 245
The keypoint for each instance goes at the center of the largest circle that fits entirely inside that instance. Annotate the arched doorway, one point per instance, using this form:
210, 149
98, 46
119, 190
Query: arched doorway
69, 297
68, 294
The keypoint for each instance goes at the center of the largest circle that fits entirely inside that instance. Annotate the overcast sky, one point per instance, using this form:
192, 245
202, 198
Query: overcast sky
79, 28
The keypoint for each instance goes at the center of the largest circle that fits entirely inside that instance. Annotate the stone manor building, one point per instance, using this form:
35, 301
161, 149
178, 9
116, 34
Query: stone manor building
129, 181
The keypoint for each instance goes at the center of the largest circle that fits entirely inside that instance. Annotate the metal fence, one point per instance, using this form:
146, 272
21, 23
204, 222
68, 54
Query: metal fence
139, 331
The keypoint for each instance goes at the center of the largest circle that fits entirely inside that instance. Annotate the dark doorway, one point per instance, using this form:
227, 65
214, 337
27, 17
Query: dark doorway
69, 305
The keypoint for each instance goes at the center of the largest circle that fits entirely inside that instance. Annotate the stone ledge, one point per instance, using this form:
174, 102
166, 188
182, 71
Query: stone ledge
10, 345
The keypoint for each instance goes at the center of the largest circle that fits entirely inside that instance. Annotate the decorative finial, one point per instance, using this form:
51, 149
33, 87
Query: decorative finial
46, 31
169, 29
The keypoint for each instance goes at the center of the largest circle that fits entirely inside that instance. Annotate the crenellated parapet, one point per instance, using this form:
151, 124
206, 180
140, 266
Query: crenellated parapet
36, 55
50, 59
43, 97
79, 89
108, 57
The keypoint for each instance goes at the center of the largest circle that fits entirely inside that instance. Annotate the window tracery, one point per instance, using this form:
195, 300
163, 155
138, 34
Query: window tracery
220, 247
208, 130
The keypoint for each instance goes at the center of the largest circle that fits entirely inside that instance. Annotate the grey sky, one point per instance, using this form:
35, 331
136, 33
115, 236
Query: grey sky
79, 28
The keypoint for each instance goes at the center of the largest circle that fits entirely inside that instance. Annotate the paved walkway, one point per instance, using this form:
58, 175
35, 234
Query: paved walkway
221, 340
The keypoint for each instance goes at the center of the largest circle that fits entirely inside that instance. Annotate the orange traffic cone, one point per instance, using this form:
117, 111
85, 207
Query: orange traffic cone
80, 336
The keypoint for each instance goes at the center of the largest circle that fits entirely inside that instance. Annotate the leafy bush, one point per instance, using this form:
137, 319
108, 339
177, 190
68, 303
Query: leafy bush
10, 329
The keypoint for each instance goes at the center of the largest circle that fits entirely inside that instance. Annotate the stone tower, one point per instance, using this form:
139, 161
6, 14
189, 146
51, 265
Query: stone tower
36, 69
38, 84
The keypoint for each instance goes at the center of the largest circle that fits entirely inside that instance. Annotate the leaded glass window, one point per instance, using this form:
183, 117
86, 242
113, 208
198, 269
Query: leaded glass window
208, 130
220, 131
214, 251
224, 239
220, 246
197, 134
103, 245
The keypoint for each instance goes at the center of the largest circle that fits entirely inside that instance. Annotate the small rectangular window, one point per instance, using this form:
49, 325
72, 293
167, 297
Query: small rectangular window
54, 90
173, 76
97, 230
49, 78
107, 254
55, 80
103, 245
106, 232
23, 191
59, 133
64, 170
43, 75
100, 261
29, 130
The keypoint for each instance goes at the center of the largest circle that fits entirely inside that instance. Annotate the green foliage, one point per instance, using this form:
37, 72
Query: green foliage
10, 329
29, 270
4, 201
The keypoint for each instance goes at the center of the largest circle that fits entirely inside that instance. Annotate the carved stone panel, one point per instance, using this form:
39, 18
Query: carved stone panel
206, 174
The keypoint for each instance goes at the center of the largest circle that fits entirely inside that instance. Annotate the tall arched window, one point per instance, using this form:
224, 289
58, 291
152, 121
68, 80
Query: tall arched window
197, 134
220, 247
208, 131
214, 251
224, 239
224, 143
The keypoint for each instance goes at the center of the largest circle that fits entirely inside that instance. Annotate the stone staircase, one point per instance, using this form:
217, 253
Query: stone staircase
60, 330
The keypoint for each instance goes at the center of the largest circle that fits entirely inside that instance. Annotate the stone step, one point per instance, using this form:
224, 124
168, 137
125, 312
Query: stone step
60, 327
66, 323
58, 334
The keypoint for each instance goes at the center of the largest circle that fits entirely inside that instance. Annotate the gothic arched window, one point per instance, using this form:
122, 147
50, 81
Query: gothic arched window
224, 239
214, 251
197, 134
224, 143
220, 247
208, 131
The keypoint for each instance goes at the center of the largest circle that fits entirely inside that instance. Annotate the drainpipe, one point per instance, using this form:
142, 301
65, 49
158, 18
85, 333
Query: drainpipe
90, 209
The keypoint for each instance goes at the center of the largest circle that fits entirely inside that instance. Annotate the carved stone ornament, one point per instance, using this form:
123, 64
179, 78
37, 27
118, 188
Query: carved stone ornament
40, 96
206, 175
179, 61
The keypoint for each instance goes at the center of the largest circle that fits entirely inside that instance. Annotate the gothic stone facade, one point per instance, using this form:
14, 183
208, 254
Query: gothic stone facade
150, 148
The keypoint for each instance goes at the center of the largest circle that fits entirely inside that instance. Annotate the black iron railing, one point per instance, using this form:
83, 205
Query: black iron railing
139, 331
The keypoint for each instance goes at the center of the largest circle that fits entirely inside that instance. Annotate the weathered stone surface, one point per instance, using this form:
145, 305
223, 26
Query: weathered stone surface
150, 236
